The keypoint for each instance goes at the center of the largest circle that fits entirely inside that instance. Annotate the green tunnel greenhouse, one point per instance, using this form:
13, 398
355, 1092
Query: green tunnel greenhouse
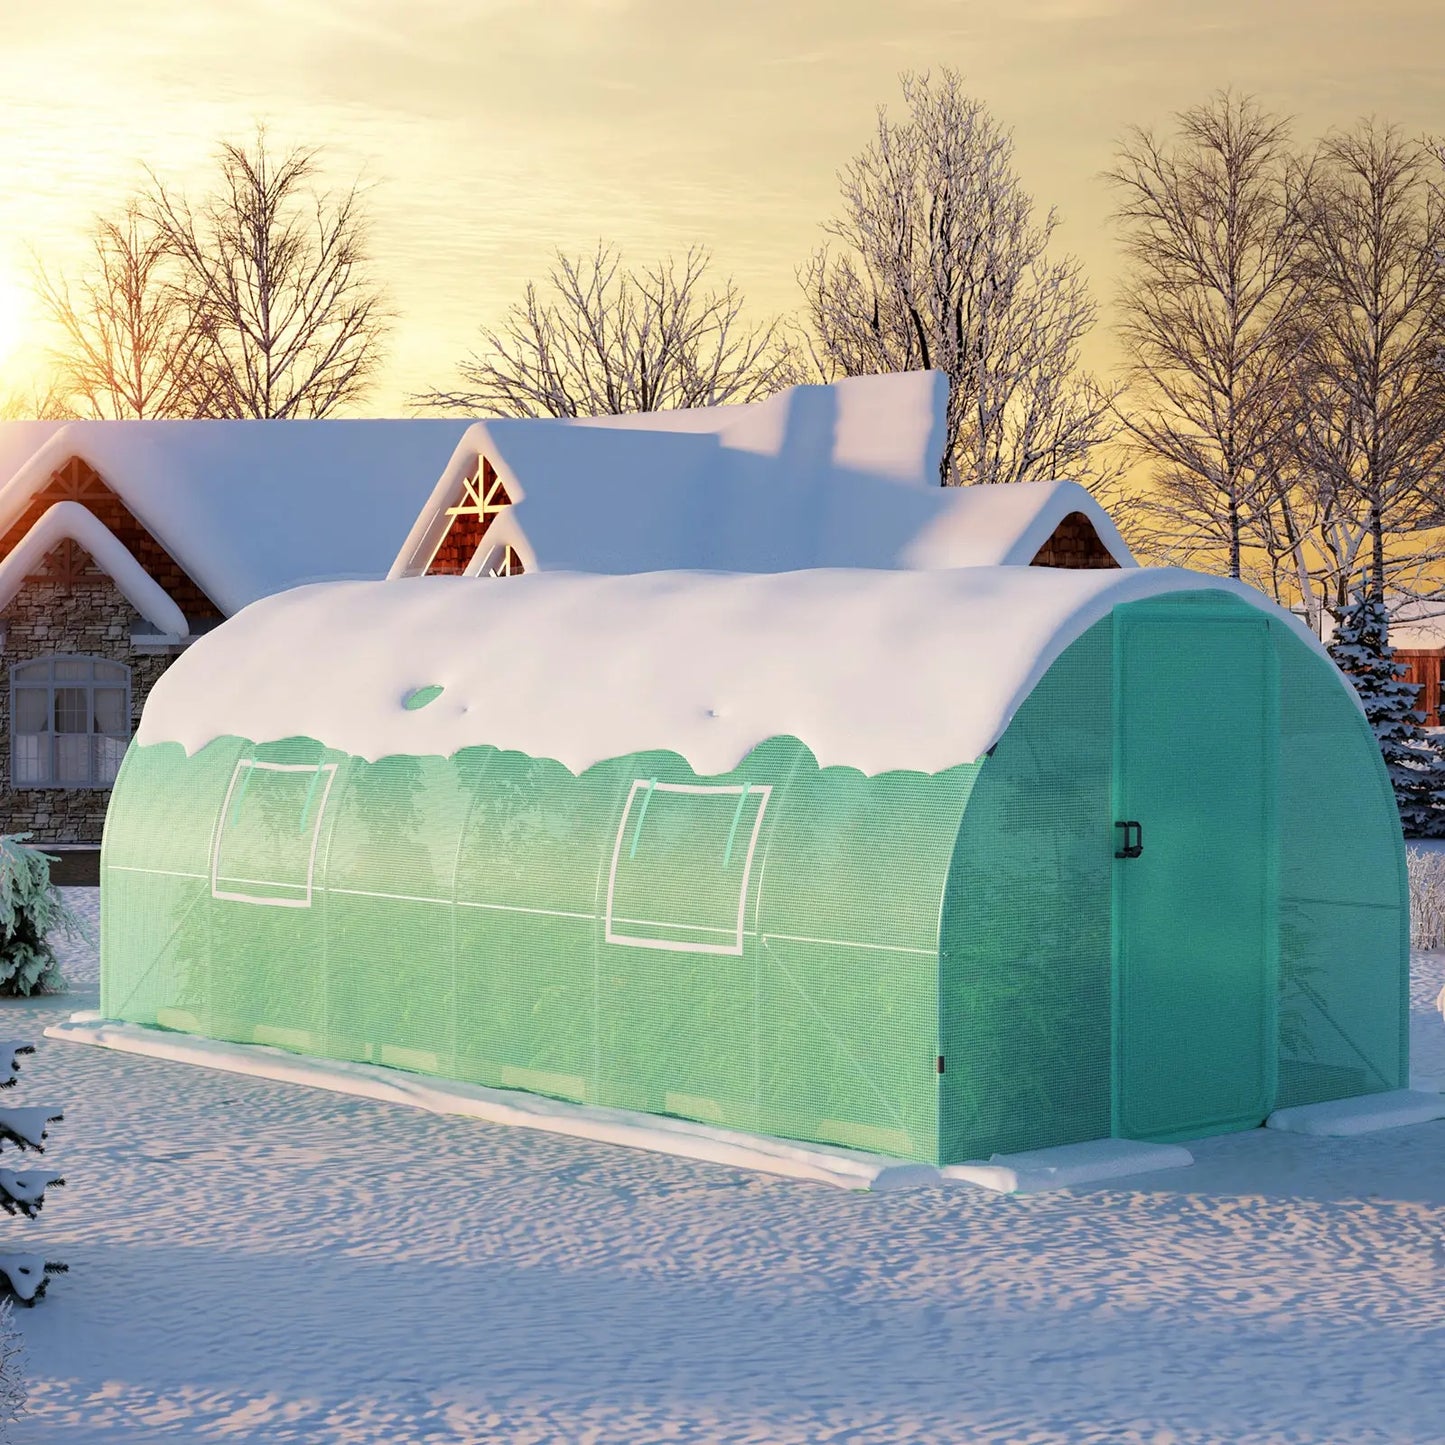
935, 865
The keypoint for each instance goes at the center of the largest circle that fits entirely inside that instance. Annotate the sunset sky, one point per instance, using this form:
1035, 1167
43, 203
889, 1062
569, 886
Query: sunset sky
495, 130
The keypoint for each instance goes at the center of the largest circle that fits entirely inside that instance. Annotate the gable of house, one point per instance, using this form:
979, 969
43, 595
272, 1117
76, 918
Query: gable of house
75, 480
477, 501
562, 494
121, 541
80, 662
1075, 542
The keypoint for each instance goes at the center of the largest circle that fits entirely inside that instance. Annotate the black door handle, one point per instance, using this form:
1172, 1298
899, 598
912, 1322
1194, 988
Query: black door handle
1136, 847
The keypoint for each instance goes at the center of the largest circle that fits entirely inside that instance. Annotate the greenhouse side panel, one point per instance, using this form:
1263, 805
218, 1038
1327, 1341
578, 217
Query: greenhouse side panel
757, 949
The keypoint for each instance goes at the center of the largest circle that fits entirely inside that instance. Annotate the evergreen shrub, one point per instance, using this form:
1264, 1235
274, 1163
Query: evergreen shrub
30, 907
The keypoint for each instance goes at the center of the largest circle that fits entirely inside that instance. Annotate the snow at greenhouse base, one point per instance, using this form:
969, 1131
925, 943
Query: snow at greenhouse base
1029, 1172
258, 1261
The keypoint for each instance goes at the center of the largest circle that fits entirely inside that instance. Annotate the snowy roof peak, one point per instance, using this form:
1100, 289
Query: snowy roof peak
1006, 525
72, 520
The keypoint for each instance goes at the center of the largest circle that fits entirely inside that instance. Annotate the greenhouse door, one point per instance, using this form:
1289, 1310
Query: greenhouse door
1195, 943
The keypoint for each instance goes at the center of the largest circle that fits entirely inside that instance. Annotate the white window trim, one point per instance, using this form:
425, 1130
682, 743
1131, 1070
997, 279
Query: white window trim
223, 821
763, 792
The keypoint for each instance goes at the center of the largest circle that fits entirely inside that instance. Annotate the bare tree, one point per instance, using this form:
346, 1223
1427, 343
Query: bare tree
1369, 413
1307, 532
941, 267
608, 340
275, 272
52, 404
1214, 226
131, 346
1353, 465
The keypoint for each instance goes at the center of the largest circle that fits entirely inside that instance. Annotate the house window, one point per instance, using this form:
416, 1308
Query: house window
503, 562
69, 722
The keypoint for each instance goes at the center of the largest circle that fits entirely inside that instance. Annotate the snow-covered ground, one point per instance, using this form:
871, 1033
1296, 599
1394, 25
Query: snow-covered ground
253, 1261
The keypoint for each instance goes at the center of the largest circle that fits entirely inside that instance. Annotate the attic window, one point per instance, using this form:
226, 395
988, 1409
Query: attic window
481, 499
1074, 543
503, 562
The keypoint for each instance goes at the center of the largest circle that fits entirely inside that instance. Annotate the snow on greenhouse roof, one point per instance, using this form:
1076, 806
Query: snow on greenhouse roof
876, 670
251, 507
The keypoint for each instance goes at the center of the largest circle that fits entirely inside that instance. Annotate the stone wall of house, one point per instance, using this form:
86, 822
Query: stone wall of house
89, 618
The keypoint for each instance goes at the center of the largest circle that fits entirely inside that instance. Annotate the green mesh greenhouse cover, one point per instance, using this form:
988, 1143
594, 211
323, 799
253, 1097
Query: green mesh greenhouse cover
932, 965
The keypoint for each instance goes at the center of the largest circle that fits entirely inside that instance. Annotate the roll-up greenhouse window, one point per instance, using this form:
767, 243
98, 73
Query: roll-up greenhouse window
264, 850
681, 865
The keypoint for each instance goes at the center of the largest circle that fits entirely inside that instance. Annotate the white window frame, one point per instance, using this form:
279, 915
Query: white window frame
24, 678
763, 792
223, 822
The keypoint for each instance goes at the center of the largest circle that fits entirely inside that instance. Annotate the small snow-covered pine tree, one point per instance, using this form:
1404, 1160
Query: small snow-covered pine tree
1362, 651
30, 907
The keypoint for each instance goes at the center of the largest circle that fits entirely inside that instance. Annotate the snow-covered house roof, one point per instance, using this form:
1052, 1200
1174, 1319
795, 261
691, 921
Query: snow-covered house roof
844, 475
1009, 525
72, 520
787, 482
581, 497
20, 440
872, 669
245, 508
891, 426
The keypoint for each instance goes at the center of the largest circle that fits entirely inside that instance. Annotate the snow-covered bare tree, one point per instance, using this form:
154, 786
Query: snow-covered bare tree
1315, 528
1368, 409
130, 345
602, 340
941, 266
275, 270
1213, 224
